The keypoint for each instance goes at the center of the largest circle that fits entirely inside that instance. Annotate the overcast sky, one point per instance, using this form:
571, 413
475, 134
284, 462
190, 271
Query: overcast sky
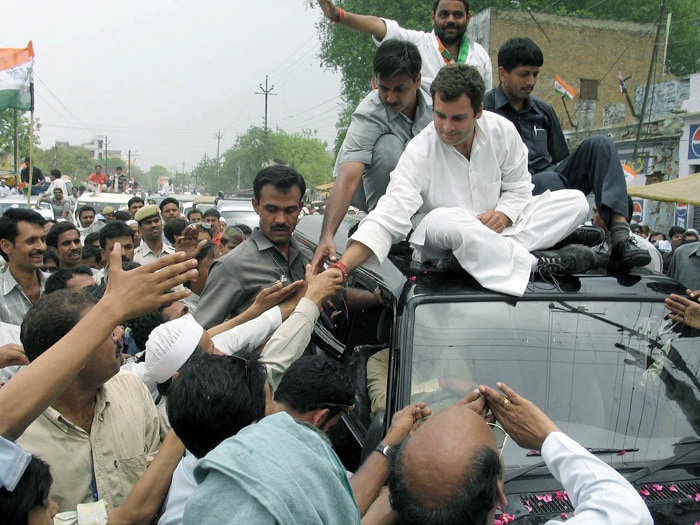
162, 77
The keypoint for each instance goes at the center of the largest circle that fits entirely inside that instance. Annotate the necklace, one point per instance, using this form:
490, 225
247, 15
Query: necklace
283, 275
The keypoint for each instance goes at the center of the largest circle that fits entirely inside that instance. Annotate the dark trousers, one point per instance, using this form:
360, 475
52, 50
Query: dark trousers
593, 167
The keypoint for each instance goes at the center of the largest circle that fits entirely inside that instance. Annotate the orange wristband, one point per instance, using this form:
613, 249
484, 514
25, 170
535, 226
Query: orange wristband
342, 267
339, 16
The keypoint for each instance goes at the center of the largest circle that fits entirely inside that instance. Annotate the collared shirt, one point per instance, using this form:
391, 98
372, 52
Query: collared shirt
59, 208
144, 255
123, 440
236, 278
372, 119
14, 303
538, 126
685, 265
432, 59
432, 174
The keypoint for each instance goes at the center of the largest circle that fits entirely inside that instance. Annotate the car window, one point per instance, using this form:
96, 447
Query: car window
610, 374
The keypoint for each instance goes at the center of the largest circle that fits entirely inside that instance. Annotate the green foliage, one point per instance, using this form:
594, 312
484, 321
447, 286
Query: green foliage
350, 53
74, 161
7, 143
302, 151
149, 180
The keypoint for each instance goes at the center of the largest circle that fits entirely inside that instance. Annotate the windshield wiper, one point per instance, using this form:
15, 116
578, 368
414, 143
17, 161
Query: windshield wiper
534, 453
662, 463
597, 451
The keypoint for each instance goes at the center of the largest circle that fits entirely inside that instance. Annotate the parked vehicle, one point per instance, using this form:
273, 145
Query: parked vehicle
238, 211
20, 201
596, 352
118, 201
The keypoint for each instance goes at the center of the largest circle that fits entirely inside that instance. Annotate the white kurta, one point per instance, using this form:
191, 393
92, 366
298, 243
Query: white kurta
433, 61
438, 192
596, 490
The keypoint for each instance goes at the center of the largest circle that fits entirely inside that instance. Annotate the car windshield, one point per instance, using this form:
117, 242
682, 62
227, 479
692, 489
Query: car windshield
610, 374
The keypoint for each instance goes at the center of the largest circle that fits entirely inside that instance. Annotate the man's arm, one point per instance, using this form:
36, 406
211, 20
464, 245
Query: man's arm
372, 475
349, 177
289, 341
556, 142
371, 25
128, 295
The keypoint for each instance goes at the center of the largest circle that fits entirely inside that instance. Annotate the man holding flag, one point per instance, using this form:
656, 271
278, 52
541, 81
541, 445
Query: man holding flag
593, 167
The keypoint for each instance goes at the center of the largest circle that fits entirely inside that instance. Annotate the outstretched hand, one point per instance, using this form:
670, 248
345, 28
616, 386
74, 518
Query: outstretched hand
520, 418
148, 287
322, 286
12, 354
328, 8
683, 309
404, 421
325, 251
274, 295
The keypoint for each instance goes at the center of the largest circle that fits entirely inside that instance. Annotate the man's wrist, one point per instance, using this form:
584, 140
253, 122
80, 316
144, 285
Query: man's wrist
384, 450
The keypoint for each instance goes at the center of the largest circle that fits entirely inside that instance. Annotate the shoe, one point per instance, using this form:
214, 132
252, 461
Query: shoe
626, 254
586, 235
574, 258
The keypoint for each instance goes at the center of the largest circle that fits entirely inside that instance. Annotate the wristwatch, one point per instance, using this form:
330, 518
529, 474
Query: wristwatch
384, 449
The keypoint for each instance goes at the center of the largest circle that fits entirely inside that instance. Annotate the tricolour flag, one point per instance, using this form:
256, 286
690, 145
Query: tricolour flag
621, 83
564, 89
629, 171
16, 78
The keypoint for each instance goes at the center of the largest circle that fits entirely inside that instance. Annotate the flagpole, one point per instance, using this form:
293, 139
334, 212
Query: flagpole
563, 99
30, 174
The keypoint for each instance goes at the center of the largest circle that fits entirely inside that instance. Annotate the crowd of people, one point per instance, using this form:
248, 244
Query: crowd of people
155, 367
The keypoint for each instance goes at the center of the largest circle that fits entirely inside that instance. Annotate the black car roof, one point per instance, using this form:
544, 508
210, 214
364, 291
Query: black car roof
397, 275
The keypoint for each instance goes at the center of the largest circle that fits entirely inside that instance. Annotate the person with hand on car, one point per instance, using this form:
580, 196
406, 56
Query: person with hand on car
685, 309
438, 476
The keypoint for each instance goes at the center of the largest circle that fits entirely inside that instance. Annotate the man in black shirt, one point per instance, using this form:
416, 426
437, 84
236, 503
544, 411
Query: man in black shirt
593, 167
38, 178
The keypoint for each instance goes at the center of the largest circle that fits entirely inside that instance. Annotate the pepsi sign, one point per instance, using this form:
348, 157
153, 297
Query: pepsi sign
694, 142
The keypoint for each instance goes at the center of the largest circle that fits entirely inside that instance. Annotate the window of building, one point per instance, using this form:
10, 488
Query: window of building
589, 89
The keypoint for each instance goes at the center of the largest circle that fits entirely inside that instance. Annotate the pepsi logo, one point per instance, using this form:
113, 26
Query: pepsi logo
695, 142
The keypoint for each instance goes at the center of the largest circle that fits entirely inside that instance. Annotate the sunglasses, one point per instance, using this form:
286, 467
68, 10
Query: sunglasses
501, 437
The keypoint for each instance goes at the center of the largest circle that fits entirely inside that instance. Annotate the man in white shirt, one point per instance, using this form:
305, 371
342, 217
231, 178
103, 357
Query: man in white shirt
429, 468
462, 185
446, 44
4, 188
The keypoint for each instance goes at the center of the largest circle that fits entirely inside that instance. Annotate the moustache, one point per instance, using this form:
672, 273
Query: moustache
36, 254
280, 229
75, 252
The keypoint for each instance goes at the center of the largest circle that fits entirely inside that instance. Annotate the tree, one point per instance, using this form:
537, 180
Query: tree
74, 161
350, 53
302, 151
150, 179
7, 142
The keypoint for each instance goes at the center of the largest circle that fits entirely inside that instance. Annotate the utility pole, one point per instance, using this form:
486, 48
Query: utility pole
652, 66
267, 92
219, 136
106, 151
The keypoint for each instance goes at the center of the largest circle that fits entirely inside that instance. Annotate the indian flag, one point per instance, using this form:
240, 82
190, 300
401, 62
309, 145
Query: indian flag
16, 78
564, 89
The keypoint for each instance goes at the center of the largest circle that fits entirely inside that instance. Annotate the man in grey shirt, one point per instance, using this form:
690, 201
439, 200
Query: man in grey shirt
268, 256
381, 126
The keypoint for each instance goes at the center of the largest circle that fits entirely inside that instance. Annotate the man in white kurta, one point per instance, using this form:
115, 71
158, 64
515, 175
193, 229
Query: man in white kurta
462, 184
448, 43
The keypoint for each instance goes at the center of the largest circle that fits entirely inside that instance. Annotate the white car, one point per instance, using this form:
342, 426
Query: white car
118, 201
20, 201
238, 211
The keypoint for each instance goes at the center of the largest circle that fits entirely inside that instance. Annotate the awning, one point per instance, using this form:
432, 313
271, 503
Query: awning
682, 189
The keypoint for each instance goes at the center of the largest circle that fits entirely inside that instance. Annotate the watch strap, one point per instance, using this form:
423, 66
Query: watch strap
383, 449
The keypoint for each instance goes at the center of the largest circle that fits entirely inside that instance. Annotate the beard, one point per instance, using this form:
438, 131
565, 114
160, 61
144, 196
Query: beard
452, 37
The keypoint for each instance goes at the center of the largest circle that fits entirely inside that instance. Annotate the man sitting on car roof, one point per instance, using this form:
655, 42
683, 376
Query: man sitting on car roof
462, 185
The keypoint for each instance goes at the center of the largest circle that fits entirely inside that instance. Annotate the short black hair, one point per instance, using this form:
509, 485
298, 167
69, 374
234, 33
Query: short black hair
9, 220
519, 51
90, 250
214, 397
58, 280
168, 200
283, 178
133, 200
472, 502
211, 212
55, 173
91, 237
247, 230
437, 2
455, 80
31, 492
675, 230
52, 317
193, 211
397, 57
50, 253
143, 325
312, 381
174, 227
56, 231
113, 230
122, 215
85, 208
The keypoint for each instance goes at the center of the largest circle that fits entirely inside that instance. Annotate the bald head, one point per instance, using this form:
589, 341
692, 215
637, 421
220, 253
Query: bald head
447, 471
